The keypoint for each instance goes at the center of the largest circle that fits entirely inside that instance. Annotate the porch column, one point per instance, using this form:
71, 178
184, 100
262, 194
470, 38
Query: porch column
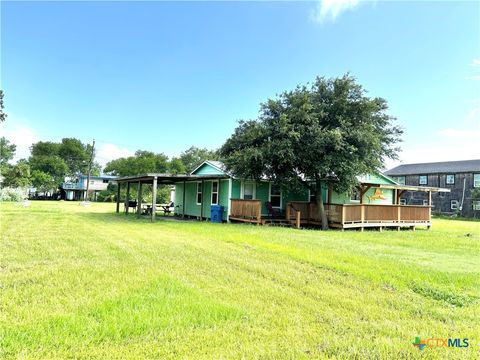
201, 202
127, 198
118, 197
183, 201
154, 199
139, 200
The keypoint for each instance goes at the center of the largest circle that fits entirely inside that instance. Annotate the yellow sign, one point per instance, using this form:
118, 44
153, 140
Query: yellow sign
378, 195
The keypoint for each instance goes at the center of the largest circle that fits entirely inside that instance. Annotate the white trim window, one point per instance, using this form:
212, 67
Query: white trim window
275, 196
215, 192
422, 180
248, 190
454, 204
400, 180
450, 179
199, 193
425, 202
476, 180
403, 201
311, 196
476, 205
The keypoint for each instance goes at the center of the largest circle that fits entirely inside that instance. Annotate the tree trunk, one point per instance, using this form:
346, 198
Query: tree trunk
320, 207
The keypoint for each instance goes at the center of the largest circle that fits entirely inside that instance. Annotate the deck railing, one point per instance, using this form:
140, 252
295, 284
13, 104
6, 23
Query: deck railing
246, 209
356, 215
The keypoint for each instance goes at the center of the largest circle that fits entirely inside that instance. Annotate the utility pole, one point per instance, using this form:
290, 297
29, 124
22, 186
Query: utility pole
85, 198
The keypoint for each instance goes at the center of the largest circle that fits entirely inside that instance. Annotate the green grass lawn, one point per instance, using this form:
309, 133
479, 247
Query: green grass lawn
84, 282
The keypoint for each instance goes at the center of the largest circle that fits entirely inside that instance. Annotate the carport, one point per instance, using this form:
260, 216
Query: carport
154, 180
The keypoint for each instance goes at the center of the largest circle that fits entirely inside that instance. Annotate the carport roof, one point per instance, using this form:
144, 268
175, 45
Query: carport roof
167, 178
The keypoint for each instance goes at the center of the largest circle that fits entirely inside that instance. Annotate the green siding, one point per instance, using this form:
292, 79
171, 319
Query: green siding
262, 193
191, 207
376, 179
235, 189
207, 169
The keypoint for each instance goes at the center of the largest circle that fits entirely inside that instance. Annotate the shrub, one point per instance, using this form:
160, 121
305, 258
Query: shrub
12, 194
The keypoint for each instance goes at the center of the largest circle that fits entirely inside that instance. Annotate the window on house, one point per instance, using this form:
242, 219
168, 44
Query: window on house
355, 195
453, 204
403, 201
476, 205
214, 192
248, 190
422, 180
311, 196
199, 193
476, 180
275, 196
450, 179
105, 181
401, 180
425, 202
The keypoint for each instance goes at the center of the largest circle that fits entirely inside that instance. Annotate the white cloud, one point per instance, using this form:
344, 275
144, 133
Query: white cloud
106, 152
473, 77
460, 134
20, 134
473, 117
475, 62
450, 150
331, 9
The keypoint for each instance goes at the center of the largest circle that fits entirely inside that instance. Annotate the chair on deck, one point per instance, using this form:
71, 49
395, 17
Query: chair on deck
272, 212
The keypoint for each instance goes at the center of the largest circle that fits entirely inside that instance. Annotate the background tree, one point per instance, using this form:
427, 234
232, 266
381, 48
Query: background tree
75, 154
3, 115
18, 175
141, 163
7, 152
42, 181
324, 134
194, 156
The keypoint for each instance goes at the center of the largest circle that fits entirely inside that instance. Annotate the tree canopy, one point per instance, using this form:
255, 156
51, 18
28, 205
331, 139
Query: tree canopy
328, 132
3, 115
141, 163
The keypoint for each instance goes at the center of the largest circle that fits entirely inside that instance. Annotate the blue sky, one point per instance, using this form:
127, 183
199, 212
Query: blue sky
163, 76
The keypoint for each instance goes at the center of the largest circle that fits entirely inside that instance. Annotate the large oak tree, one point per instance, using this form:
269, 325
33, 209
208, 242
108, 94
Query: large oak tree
324, 133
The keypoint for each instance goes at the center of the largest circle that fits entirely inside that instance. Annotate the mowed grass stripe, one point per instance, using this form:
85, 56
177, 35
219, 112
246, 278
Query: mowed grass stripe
89, 281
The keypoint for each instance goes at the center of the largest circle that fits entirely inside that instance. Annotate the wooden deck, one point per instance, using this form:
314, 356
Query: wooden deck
343, 216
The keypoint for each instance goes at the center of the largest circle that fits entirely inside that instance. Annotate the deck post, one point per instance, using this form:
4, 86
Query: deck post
139, 200
154, 199
362, 213
183, 201
297, 220
343, 216
118, 198
127, 198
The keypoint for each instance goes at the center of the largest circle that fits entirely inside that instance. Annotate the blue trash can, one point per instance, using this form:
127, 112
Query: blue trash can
216, 213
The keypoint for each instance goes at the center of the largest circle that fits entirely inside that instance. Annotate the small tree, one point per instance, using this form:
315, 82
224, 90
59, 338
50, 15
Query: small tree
475, 196
327, 133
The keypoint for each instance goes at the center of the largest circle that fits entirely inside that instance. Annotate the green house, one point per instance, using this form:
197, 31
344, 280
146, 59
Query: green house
375, 203
200, 194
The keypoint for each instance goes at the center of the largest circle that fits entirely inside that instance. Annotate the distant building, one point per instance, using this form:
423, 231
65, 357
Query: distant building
461, 177
74, 188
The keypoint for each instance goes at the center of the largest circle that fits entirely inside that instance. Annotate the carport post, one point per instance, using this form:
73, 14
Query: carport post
154, 199
118, 197
127, 198
139, 200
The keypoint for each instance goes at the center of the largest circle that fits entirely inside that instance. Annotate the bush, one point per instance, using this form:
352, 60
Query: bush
13, 194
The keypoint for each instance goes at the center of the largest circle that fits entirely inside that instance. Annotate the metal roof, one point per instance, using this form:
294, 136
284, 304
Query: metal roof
167, 178
436, 167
